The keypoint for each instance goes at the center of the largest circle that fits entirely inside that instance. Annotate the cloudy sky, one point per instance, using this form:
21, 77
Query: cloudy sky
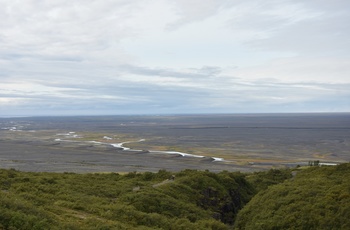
91, 57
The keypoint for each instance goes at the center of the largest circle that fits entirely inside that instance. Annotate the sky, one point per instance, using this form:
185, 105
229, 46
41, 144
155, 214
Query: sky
110, 57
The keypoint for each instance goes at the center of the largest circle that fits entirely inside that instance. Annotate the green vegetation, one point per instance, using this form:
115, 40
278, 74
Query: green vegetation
315, 198
193, 200
262, 180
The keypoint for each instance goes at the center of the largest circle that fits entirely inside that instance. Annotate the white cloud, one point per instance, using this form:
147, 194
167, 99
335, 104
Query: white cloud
191, 55
300, 69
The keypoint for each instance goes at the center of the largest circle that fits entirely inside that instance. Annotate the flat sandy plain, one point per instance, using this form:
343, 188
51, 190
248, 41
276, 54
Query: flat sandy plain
245, 142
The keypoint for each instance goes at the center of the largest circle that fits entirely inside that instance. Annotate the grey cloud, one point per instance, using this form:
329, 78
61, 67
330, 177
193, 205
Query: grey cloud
326, 32
65, 58
339, 6
210, 70
312, 38
151, 99
64, 31
190, 11
205, 71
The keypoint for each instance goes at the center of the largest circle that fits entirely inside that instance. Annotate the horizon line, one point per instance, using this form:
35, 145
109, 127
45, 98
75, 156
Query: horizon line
176, 114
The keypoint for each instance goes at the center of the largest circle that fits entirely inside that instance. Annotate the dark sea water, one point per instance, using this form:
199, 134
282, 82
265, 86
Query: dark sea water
295, 138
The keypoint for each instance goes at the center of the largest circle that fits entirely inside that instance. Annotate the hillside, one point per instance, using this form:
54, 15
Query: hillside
191, 200
317, 198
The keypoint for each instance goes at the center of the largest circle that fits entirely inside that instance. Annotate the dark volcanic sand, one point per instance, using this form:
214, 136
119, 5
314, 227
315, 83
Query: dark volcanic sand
265, 141
54, 158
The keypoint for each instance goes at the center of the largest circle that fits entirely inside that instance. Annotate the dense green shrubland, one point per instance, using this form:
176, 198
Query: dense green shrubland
194, 200
316, 198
